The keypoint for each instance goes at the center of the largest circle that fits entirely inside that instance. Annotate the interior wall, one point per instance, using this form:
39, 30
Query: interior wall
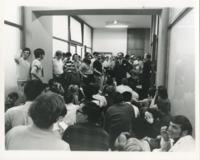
181, 78
138, 41
38, 34
110, 40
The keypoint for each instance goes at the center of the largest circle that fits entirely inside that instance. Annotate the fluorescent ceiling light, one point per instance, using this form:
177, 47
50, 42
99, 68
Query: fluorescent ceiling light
116, 24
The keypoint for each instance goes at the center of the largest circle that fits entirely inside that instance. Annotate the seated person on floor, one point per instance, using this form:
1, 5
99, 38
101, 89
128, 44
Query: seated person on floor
118, 118
70, 117
11, 100
18, 115
45, 110
124, 87
177, 137
86, 134
127, 142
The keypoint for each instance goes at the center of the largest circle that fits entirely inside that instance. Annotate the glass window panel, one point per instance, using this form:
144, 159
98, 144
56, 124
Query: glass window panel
59, 45
87, 36
12, 48
60, 27
75, 28
79, 50
73, 49
89, 50
13, 14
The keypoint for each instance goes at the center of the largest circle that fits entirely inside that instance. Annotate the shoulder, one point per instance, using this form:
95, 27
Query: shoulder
36, 62
16, 131
14, 110
62, 145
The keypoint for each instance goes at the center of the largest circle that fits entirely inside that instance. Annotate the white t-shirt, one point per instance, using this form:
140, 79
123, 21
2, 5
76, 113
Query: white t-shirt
58, 66
99, 100
70, 117
23, 69
123, 88
36, 68
18, 115
33, 138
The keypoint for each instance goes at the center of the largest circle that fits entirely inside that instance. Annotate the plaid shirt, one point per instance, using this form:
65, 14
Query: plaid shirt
86, 137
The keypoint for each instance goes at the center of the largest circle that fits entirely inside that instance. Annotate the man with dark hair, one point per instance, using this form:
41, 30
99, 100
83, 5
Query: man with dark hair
87, 134
11, 100
178, 136
44, 111
36, 66
98, 71
18, 115
23, 68
121, 68
119, 118
127, 97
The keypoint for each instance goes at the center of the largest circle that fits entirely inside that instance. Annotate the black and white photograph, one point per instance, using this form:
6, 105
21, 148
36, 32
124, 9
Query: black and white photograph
109, 78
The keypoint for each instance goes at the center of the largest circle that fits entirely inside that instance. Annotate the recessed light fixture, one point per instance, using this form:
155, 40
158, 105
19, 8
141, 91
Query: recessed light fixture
116, 24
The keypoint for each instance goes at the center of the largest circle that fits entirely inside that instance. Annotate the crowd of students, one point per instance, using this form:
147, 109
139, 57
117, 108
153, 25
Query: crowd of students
94, 104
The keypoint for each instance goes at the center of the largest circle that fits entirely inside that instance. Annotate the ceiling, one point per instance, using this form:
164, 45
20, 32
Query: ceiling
97, 18
133, 21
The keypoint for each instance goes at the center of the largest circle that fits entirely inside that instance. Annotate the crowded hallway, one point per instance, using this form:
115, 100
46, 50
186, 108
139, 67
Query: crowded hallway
100, 80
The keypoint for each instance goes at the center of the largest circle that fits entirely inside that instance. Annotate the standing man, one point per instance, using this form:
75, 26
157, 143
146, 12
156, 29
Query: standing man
98, 71
58, 66
23, 68
37, 72
121, 68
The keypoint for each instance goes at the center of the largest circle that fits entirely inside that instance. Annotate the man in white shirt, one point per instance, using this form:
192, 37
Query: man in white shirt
23, 68
124, 87
37, 72
18, 115
58, 64
177, 138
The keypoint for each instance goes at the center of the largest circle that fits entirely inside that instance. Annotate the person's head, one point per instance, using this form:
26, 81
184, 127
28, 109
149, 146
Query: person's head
68, 55
32, 89
127, 57
55, 87
90, 112
179, 126
39, 53
47, 109
162, 92
68, 98
127, 96
95, 54
87, 61
148, 57
117, 98
124, 81
58, 54
134, 74
11, 98
151, 92
26, 53
120, 54
75, 57
73, 89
